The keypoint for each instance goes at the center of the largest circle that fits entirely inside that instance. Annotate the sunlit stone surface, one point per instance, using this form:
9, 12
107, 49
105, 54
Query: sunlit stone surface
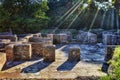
2, 60
13, 38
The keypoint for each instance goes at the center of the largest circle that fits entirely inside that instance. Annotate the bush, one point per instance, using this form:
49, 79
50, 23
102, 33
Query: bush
115, 66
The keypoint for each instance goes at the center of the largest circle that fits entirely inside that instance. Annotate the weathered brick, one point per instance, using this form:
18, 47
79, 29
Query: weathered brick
9, 52
74, 54
2, 60
22, 51
37, 48
46, 41
60, 38
49, 53
87, 38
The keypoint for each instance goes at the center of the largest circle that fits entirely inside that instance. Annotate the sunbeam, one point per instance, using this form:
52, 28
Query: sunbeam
94, 20
73, 20
68, 12
112, 19
117, 22
108, 20
68, 16
76, 17
103, 19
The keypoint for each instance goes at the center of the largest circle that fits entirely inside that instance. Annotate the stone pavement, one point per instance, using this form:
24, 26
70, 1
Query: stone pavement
92, 57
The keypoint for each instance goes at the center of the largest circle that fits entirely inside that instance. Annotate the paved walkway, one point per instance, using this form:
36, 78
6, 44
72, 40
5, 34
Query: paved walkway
61, 68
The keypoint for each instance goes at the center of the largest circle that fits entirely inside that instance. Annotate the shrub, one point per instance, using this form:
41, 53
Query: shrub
114, 67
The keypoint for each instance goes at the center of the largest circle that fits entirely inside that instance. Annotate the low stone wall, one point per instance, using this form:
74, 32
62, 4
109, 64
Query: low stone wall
2, 60
13, 38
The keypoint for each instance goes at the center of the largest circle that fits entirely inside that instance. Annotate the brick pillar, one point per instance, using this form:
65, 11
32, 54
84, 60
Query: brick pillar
49, 53
22, 51
37, 48
74, 54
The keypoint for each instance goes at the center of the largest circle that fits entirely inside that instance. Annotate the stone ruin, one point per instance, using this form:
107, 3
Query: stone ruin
111, 39
49, 53
34, 45
74, 54
59, 38
87, 37
41, 46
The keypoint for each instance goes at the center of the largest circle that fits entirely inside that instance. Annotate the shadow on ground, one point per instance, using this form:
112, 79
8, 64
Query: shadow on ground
12, 64
35, 67
67, 66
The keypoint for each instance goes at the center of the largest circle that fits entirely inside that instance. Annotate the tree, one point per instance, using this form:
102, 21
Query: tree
23, 16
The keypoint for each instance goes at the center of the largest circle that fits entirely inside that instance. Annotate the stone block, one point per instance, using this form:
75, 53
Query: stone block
13, 38
61, 38
87, 37
37, 35
50, 36
35, 39
56, 39
109, 52
22, 51
46, 41
2, 60
5, 40
49, 53
111, 39
37, 48
9, 52
64, 38
74, 54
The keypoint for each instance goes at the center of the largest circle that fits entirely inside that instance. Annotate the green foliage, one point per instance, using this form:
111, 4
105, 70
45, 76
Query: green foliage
106, 78
115, 63
23, 16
